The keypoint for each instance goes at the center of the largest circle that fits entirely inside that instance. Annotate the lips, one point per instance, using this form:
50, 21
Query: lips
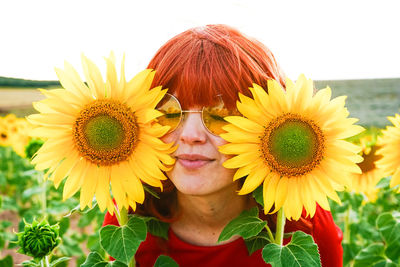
193, 161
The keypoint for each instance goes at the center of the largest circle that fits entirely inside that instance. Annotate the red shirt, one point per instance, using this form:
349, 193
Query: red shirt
326, 234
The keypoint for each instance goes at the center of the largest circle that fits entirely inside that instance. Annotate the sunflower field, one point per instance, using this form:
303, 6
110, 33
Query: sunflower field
41, 225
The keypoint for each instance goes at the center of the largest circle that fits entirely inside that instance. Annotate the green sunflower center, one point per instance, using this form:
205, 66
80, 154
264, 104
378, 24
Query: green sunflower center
292, 145
105, 132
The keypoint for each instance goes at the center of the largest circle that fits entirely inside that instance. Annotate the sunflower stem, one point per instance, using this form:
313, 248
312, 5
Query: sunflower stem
44, 262
44, 196
270, 235
47, 261
132, 263
122, 216
280, 226
346, 235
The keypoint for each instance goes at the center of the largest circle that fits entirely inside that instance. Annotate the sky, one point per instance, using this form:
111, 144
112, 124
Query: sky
325, 40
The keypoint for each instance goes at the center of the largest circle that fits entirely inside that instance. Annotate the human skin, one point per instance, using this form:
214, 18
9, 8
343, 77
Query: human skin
207, 196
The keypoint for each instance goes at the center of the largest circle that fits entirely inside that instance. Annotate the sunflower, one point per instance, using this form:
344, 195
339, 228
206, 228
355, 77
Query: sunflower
14, 132
390, 150
4, 133
366, 181
292, 143
102, 133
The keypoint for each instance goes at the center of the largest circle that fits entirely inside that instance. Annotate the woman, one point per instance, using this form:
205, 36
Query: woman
207, 67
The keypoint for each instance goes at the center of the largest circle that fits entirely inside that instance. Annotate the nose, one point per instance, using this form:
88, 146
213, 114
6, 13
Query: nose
192, 129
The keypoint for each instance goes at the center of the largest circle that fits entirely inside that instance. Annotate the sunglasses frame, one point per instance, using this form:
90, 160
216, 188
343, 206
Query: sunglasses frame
181, 118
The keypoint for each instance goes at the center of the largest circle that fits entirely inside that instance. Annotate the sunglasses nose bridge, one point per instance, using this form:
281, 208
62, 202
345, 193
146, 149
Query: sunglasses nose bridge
191, 128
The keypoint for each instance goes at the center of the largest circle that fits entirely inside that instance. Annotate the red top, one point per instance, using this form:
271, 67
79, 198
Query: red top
326, 234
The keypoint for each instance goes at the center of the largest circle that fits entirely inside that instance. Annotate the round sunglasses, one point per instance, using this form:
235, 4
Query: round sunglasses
212, 117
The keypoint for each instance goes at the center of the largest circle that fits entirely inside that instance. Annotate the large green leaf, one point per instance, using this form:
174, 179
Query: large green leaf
165, 261
301, 251
95, 260
388, 225
374, 256
123, 241
257, 242
247, 225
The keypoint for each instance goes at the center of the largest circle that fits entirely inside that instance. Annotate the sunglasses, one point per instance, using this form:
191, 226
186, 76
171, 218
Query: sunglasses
212, 117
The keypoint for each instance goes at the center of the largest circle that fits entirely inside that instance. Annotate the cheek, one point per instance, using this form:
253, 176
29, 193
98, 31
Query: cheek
168, 138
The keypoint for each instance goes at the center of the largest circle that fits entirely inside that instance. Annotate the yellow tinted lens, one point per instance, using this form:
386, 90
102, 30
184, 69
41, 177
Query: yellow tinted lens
172, 111
213, 118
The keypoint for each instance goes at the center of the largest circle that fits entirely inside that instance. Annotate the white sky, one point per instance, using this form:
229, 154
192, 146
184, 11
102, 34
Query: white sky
340, 39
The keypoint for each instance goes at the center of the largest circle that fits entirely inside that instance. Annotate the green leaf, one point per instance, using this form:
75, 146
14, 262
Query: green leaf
258, 195
350, 251
31, 191
388, 225
31, 263
373, 255
165, 261
301, 251
123, 241
7, 261
158, 228
257, 242
58, 261
95, 260
247, 225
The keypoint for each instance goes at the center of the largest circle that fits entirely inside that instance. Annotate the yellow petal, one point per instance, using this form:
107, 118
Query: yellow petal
89, 187
133, 187
245, 124
51, 119
117, 188
293, 203
395, 178
241, 160
93, 78
103, 190
147, 115
112, 79
238, 148
281, 193
71, 81
245, 170
269, 190
137, 170
140, 83
254, 179
64, 168
306, 197
75, 179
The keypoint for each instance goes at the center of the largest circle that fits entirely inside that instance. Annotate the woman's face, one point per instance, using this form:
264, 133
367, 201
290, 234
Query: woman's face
198, 169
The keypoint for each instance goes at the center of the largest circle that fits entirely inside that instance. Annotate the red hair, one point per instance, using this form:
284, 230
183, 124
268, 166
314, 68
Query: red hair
196, 66
203, 62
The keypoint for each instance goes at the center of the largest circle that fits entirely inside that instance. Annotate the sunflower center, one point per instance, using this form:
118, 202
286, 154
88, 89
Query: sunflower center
292, 145
368, 164
105, 132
